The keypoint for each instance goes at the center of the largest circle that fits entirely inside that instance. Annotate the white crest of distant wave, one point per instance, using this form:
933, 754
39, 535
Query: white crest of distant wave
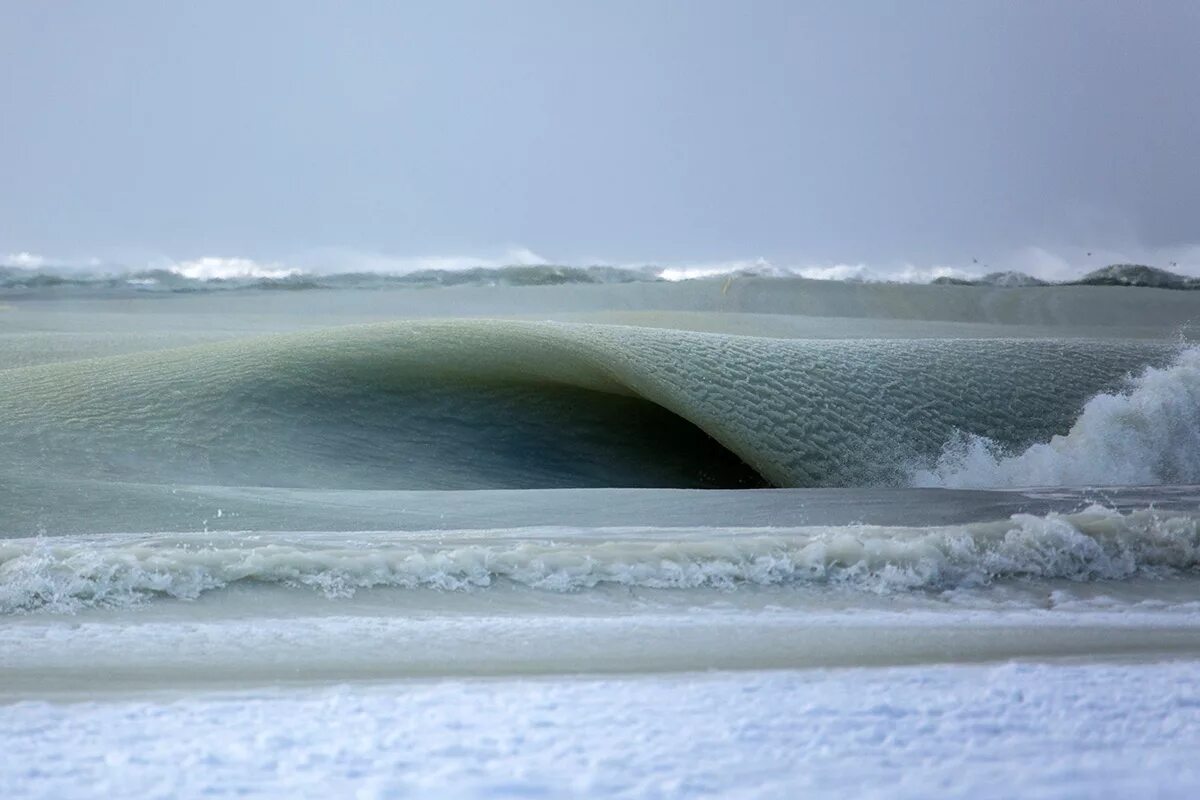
216, 268
25, 260
860, 273
1149, 434
686, 272
343, 261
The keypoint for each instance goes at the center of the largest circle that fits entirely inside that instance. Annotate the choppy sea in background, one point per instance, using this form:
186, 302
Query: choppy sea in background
552, 531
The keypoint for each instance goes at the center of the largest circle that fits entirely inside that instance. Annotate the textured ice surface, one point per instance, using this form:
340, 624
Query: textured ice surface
476, 404
1019, 730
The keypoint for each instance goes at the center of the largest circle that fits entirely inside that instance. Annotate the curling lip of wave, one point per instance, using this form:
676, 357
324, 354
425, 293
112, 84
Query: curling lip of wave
119, 570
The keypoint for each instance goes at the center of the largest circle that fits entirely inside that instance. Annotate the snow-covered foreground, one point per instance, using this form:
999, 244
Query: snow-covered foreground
1027, 730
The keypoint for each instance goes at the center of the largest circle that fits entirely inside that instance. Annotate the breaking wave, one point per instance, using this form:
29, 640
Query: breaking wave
70, 573
1148, 434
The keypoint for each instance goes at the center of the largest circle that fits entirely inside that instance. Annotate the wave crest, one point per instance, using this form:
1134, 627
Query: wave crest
119, 570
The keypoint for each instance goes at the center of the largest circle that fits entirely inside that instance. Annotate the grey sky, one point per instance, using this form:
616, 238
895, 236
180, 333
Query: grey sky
625, 131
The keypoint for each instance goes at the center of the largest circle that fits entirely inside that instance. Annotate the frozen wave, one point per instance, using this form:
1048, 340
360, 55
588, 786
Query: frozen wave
70, 573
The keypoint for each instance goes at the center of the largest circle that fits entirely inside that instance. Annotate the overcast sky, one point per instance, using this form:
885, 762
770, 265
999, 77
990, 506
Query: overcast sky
869, 132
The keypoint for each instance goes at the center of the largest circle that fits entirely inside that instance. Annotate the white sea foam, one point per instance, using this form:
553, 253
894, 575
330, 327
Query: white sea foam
75, 572
24, 260
216, 268
1149, 434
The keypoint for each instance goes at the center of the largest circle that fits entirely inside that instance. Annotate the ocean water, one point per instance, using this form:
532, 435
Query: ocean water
741, 536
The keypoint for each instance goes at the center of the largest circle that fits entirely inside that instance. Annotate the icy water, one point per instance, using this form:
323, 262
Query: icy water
503, 506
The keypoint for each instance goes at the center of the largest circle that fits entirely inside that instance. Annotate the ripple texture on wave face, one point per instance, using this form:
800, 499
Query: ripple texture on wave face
495, 404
